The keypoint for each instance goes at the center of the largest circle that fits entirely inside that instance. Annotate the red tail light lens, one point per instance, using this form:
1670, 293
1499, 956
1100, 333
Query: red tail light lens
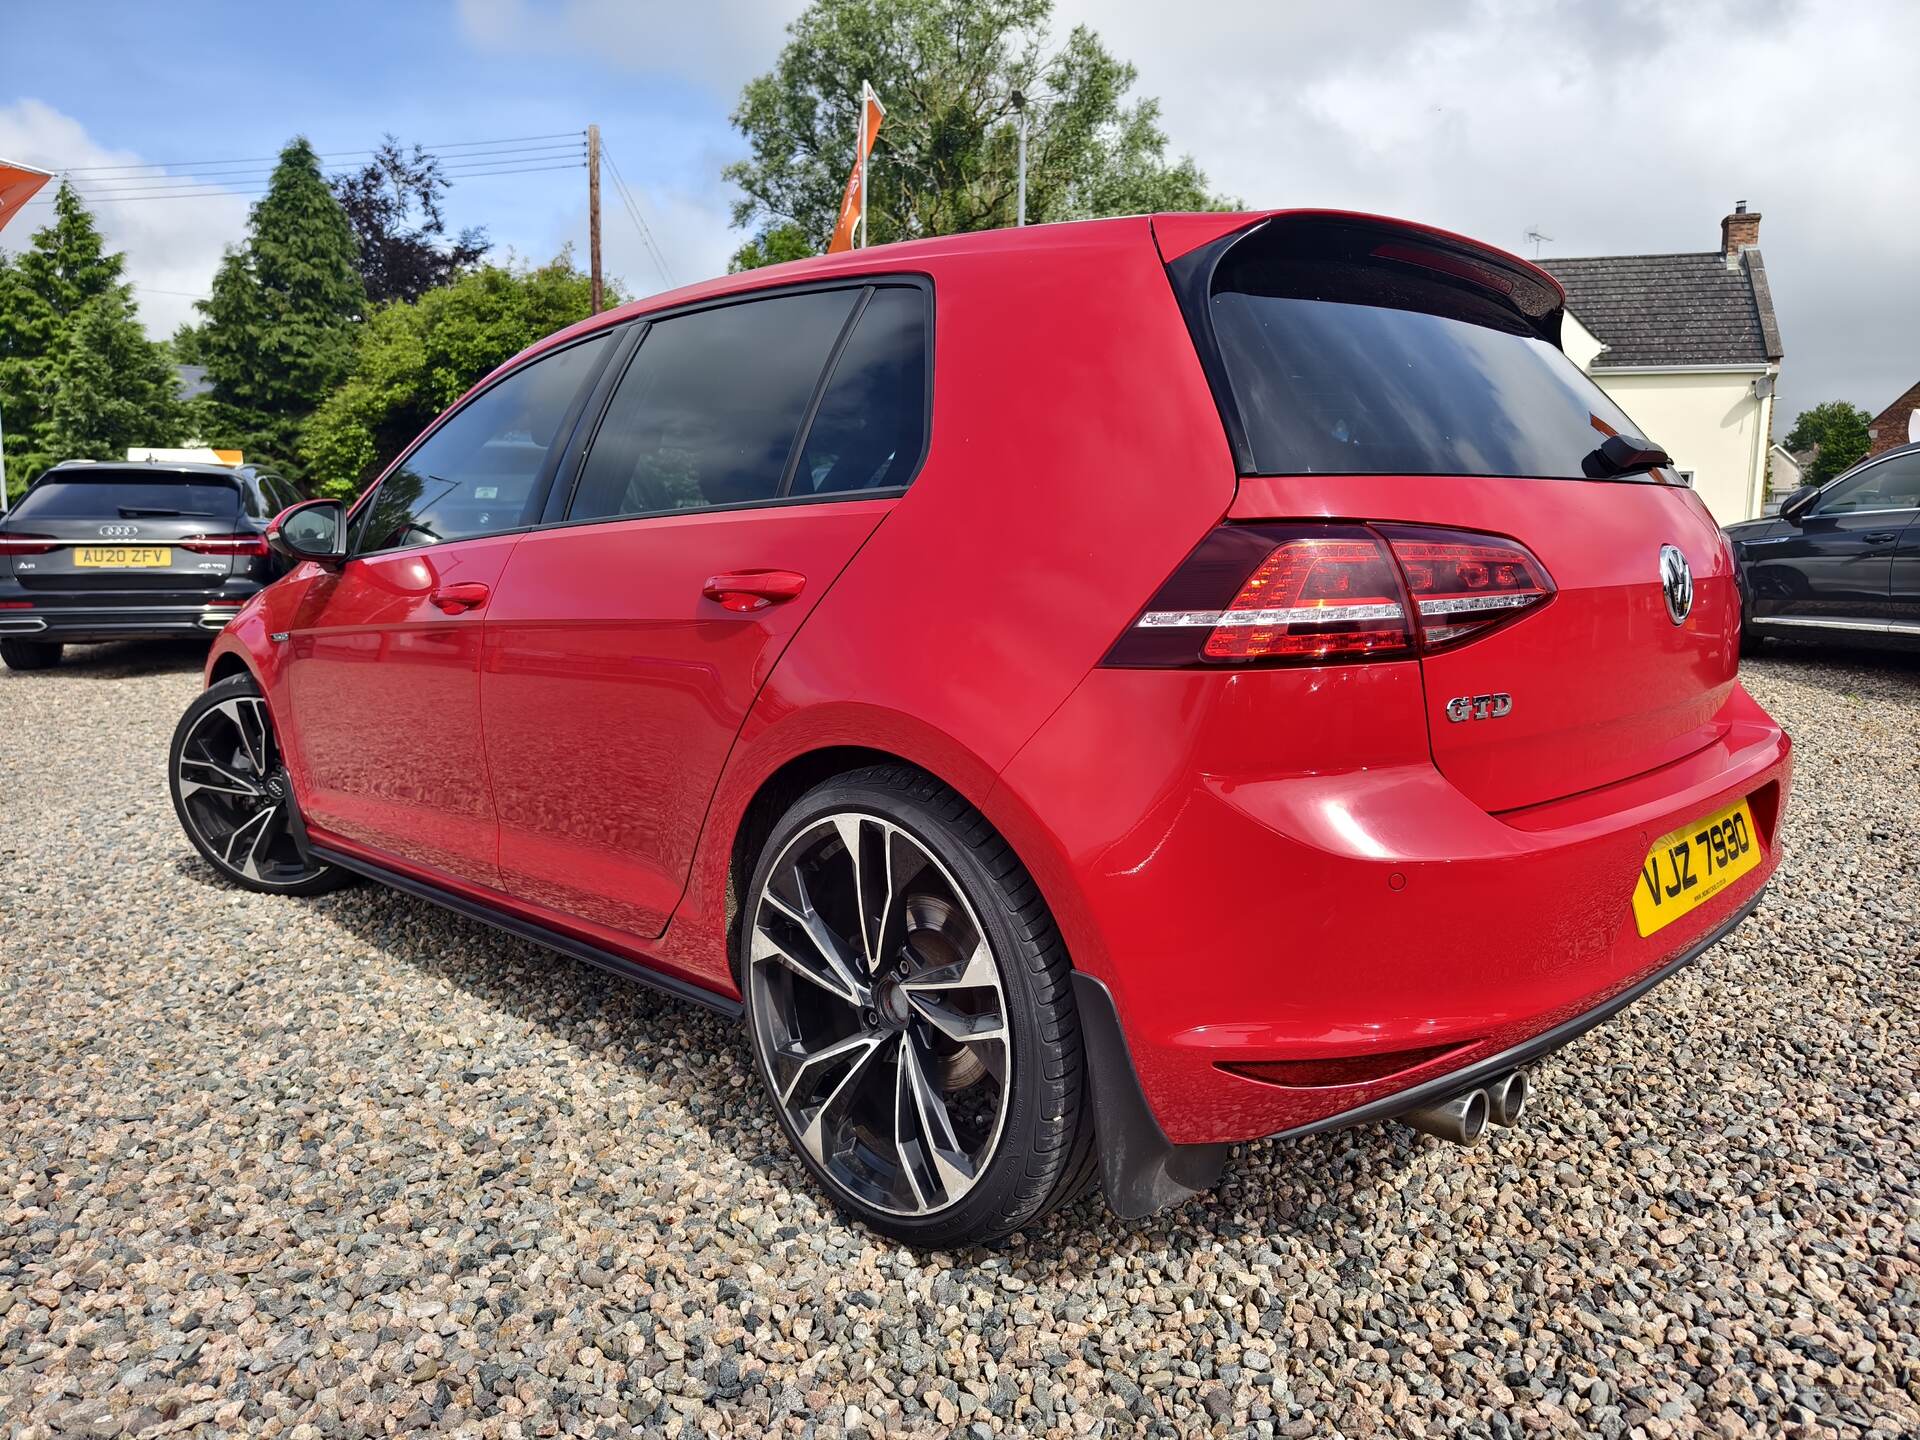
26, 544
1279, 594
1465, 584
1274, 594
225, 544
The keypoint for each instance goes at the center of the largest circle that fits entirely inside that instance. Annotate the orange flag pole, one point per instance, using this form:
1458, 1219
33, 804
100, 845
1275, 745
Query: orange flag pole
853, 200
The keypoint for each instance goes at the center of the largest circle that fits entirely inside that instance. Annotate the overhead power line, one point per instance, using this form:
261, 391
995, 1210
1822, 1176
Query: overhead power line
639, 221
92, 184
324, 155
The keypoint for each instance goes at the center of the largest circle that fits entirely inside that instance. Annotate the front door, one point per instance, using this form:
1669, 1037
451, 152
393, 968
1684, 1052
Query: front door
627, 643
382, 668
1836, 567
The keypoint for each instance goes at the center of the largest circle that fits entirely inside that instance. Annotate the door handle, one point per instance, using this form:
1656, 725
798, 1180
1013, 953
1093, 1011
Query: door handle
749, 590
461, 595
1882, 537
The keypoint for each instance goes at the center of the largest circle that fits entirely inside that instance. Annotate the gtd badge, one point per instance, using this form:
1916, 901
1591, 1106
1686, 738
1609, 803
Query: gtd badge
1479, 707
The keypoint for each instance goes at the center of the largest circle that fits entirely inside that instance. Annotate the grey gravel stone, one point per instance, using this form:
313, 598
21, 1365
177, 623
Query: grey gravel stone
352, 1166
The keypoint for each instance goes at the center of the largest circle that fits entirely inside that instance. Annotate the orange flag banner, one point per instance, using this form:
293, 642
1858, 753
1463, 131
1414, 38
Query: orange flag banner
853, 203
17, 186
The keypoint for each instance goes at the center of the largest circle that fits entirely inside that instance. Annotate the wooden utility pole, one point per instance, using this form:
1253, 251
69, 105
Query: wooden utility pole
593, 211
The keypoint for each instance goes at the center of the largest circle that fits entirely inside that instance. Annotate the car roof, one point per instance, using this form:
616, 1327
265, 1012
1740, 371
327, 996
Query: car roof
1175, 233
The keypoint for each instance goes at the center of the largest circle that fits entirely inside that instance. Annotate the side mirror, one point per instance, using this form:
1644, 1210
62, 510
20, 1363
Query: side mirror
1794, 508
312, 530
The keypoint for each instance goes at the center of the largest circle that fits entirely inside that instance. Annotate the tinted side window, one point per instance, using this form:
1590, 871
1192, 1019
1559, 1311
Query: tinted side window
707, 410
477, 473
1890, 485
872, 421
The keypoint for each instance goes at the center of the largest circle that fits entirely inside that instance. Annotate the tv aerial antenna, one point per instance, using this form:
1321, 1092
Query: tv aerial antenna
1536, 237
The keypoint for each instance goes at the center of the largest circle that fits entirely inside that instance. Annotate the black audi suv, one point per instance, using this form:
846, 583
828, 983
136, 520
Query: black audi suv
1840, 561
99, 550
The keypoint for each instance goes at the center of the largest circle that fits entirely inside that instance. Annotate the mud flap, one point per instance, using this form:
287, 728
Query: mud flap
1141, 1171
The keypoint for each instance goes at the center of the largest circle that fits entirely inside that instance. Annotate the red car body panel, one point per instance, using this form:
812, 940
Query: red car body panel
1290, 864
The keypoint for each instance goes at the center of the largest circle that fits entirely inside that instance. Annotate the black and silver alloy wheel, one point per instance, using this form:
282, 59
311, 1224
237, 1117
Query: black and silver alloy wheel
895, 1024
230, 792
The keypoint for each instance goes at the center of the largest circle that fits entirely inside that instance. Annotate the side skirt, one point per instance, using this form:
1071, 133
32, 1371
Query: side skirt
540, 934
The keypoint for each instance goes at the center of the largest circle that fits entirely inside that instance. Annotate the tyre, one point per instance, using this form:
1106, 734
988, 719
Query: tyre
231, 793
30, 654
911, 1014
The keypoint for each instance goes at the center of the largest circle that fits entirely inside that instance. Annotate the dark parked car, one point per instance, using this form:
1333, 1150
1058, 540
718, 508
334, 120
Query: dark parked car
107, 551
1841, 560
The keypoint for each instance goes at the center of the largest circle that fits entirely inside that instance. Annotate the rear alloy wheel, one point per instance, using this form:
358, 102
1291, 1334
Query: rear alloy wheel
30, 654
232, 796
908, 1001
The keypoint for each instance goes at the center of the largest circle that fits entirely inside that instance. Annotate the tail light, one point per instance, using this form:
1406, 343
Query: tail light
1330, 594
225, 544
26, 544
1464, 584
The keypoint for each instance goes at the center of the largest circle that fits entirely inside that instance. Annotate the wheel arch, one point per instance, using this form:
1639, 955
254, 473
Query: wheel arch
226, 664
785, 784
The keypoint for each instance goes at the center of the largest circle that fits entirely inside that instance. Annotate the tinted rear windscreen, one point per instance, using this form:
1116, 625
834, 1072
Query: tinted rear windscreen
1352, 351
107, 496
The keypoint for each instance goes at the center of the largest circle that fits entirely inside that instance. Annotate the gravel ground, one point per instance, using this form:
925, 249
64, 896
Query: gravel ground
353, 1166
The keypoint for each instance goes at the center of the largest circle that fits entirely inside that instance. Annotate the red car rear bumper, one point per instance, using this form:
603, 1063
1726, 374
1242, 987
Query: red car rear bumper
1334, 919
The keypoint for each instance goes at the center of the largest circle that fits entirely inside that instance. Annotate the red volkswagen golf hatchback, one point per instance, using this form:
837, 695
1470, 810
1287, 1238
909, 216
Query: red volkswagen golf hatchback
1088, 695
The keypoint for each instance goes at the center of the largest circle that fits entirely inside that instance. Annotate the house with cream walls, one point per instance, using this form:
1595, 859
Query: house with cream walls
1688, 346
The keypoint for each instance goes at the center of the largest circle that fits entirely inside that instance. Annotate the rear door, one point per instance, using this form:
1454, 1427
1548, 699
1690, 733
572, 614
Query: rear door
747, 453
1384, 375
128, 536
1836, 565
382, 657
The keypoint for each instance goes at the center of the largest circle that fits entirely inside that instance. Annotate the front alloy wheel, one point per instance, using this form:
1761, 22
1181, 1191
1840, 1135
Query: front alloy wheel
232, 796
895, 1026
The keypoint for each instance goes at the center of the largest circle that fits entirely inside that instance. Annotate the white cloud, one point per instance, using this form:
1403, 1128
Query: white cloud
718, 43
1615, 128
172, 245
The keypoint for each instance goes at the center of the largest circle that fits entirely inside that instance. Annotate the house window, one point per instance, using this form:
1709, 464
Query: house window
1685, 477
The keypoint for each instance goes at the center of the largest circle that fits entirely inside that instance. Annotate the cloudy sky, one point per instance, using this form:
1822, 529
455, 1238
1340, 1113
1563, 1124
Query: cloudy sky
1613, 126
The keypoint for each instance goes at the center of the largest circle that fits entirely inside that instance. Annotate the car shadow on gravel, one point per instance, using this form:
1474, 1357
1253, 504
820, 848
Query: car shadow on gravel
1810, 656
120, 660
1304, 1188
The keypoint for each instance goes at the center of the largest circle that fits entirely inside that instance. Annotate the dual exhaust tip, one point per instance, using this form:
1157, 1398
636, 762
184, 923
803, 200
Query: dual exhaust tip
1464, 1118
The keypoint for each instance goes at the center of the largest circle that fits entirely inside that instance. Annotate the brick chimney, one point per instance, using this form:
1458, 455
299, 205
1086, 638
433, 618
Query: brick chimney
1739, 231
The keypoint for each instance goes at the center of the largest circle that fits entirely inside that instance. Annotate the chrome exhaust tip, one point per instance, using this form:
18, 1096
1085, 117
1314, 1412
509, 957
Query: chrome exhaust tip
1507, 1098
1463, 1119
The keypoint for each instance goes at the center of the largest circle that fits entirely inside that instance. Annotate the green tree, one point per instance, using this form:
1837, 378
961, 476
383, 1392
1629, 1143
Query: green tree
945, 159
1836, 431
113, 387
415, 358
64, 282
278, 332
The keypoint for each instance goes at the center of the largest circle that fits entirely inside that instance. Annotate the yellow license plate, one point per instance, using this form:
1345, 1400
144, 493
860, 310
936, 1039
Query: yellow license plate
122, 557
1688, 868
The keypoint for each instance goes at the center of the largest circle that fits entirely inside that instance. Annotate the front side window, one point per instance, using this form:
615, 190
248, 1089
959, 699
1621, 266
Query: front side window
478, 473
1890, 485
707, 412
872, 422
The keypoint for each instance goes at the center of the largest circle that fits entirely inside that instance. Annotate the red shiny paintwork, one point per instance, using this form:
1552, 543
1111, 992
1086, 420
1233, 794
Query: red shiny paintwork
1270, 864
